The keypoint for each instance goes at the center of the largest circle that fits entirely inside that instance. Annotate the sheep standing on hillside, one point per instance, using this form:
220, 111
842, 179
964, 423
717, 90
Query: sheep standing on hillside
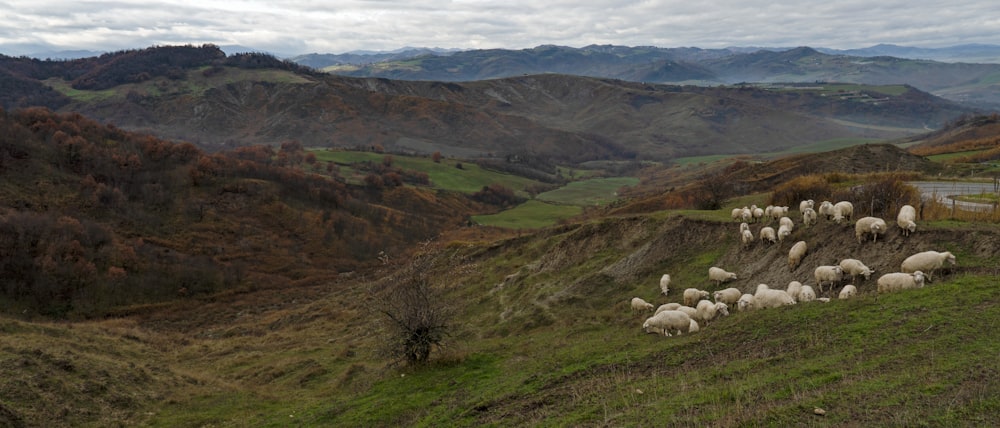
765, 297
843, 210
639, 305
906, 219
720, 275
826, 209
794, 289
854, 267
737, 214
728, 296
783, 232
900, 281
828, 275
806, 205
848, 291
747, 238
768, 236
796, 254
808, 217
745, 303
786, 221
807, 294
708, 311
668, 322
869, 225
779, 212
746, 215
672, 306
927, 261
693, 295
758, 214
665, 284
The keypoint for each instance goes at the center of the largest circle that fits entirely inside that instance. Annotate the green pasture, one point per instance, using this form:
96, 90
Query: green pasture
532, 214
597, 191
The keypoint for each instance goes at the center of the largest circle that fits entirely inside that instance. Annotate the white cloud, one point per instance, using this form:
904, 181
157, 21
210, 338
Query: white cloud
313, 26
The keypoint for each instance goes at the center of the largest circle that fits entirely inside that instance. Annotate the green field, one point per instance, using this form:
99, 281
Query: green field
532, 214
597, 191
945, 157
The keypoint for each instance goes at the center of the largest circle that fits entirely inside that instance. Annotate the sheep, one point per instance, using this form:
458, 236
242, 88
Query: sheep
865, 225
794, 289
744, 226
779, 212
808, 217
796, 254
667, 322
693, 295
783, 232
767, 211
828, 274
768, 236
806, 205
665, 284
826, 209
807, 294
758, 214
694, 327
900, 281
691, 312
927, 261
728, 296
737, 214
708, 311
747, 238
720, 275
746, 215
906, 219
854, 267
641, 305
768, 298
842, 210
785, 221
745, 303
672, 306
848, 291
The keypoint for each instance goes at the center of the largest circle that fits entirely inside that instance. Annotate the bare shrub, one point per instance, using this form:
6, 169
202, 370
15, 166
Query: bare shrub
415, 318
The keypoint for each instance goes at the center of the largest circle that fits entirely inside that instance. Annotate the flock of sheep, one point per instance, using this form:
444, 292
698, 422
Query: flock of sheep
697, 311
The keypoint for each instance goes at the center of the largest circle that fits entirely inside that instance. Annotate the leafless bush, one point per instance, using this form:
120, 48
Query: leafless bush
415, 318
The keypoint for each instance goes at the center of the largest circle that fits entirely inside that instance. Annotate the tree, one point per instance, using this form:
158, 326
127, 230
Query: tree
436, 156
416, 319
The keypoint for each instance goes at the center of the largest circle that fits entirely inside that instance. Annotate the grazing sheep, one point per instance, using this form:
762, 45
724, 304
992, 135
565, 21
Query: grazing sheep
758, 214
767, 211
747, 238
796, 254
906, 219
693, 295
784, 232
854, 267
848, 291
873, 225
807, 294
690, 311
927, 261
667, 322
720, 275
828, 275
768, 298
746, 215
745, 303
694, 327
779, 212
665, 284
900, 281
768, 236
826, 209
728, 296
809, 217
737, 214
794, 289
744, 226
785, 221
843, 210
672, 306
806, 205
641, 305
708, 311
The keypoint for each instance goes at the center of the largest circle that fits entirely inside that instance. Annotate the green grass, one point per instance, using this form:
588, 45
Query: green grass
945, 157
597, 191
824, 146
532, 214
695, 160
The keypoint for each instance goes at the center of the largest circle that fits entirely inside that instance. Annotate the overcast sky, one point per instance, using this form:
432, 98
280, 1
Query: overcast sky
297, 27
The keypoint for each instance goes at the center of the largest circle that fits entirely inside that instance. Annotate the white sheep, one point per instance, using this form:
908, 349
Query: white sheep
767, 211
694, 327
728, 296
744, 226
927, 261
848, 291
794, 289
828, 275
693, 295
906, 219
737, 214
783, 232
720, 275
667, 322
796, 254
809, 217
746, 215
672, 306
758, 213
900, 281
708, 311
641, 305
779, 212
873, 225
665, 284
768, 298
806, 205
768, 236
786, 221
807, 294
843, 210
745, 303
855, 267
826, 209
747, 237
691, 312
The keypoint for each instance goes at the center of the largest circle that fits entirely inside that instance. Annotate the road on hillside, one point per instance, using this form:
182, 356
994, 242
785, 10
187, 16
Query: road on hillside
945, 191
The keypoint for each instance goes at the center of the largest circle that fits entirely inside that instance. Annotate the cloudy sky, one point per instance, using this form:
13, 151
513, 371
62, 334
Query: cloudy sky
302, 26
